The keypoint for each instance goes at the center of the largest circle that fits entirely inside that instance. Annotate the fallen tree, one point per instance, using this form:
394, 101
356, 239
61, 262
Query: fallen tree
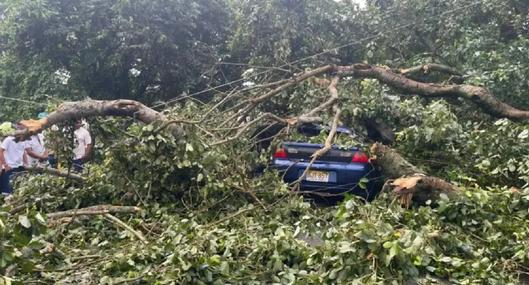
481, 96
406, 180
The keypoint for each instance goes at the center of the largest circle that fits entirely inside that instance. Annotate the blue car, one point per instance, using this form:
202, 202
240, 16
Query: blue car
341, 170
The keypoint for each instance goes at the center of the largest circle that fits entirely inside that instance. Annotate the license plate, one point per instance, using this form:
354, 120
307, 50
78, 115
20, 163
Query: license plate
317, 176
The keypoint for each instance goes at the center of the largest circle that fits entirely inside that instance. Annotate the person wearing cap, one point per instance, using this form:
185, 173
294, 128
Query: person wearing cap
36, 151
12, 159
83, 146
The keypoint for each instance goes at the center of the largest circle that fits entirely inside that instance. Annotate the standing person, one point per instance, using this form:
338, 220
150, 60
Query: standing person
83, 146
52, 146
12, 160
35, 150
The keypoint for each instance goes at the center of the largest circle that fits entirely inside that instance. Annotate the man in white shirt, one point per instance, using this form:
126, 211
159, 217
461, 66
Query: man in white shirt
35, 150
83, 146
12, 160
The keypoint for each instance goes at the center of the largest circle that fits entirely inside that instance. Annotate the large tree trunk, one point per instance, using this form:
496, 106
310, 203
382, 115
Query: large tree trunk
406, 181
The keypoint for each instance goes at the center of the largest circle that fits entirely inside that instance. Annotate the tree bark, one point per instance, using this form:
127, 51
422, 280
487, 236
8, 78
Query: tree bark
481, 96
407, 182
426, 68
56, 172
94, 210
70, 111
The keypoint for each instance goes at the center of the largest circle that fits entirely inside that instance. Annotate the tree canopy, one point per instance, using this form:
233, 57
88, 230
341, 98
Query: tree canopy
175, 92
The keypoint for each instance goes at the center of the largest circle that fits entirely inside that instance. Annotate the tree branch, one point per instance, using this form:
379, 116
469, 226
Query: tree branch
427, 68
56, 172
479, 95
332, 133
94, 210
70, 111
408, 182
122, 224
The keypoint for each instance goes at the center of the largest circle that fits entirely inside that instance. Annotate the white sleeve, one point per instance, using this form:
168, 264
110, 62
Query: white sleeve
41, 137
87, 137
5, 144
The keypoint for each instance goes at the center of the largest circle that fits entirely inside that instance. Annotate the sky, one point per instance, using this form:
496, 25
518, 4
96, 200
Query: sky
362, 3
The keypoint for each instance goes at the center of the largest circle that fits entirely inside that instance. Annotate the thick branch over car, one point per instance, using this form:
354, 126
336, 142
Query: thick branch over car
480, 95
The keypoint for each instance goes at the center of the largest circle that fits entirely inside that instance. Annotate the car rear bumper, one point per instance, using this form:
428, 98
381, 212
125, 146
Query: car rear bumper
343, 177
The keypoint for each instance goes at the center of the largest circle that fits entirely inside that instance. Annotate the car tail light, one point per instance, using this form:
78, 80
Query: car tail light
280, 153
360, 157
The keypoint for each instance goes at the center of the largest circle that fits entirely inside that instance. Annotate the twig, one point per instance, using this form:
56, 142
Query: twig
175, 121
94, 210
127, 227
253, 102
76, 258
228, 217
292, 82
217, 105
328, 142
129, 280
249, 193
244, 127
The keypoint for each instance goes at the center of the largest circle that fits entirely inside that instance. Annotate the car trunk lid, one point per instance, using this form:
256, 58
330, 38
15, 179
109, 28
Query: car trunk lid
304, 151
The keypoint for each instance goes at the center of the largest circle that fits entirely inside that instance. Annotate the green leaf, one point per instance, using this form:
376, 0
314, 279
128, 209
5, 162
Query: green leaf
392, 253
524, 134
363, 183
40, 219
24, 221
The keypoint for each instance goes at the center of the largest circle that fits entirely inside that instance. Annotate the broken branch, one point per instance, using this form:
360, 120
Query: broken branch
332, 133
408, 182
481, 96
427, 68
56, 172
70, 111
122, 224
94, 210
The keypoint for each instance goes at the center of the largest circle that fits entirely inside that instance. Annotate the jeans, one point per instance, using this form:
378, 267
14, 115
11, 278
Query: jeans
53, 161
78, 165
5, 183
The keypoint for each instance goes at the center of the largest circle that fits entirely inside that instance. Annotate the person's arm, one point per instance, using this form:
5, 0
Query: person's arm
3, 163
87, 152
44, 155
36, 155
88, 148
25, 159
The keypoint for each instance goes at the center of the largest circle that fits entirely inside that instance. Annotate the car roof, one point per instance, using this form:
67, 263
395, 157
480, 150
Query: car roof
315, 129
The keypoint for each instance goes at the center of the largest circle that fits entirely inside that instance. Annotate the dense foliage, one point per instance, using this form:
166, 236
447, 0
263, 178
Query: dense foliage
207, 217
